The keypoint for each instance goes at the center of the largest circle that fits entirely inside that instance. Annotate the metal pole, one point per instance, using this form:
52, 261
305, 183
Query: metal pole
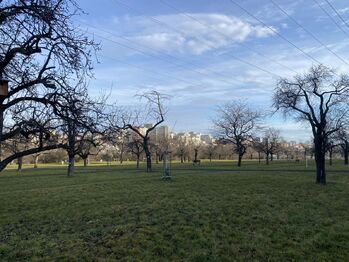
306, 162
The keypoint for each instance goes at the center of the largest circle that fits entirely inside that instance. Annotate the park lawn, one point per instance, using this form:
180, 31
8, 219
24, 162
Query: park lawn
213, 212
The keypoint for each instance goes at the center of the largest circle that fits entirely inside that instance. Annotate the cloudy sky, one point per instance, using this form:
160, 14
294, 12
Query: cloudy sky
206, 53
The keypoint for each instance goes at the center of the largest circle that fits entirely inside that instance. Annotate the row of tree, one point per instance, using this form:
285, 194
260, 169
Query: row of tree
319, 98
47, 62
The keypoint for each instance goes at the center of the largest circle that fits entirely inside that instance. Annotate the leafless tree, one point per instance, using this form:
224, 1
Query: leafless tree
40, 48
160, 146
136, 148
81, 121
119, 140
235, 123
210, 150
270, 144
342, 138
319, 98
91, 145
181, 149
152, 112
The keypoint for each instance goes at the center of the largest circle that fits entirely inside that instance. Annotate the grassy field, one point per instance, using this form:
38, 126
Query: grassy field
213, 212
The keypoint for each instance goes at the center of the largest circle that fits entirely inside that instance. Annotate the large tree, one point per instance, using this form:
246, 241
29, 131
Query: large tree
81, 121
320, 98
40, 49
235, 123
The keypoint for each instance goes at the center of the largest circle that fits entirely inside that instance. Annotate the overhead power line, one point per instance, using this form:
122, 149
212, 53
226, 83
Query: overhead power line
224, 35
181, 65
139, 51
309, 32
193, 84
211, 46
337, 13
331, 17
276, 32
154, 74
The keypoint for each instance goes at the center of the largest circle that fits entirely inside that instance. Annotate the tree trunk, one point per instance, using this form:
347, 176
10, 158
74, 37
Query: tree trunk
320, 160
36, 161
138, 156
239, 160
346, 153
259, 157
85, 161
20, 164
147, 154
121, 158
195, 155
267, 159
71, 165
182, 159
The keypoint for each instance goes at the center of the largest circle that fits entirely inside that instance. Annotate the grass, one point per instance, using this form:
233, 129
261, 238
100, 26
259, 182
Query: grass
213, 212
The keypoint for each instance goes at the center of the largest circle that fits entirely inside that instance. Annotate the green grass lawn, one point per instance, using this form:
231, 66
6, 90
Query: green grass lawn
213, 212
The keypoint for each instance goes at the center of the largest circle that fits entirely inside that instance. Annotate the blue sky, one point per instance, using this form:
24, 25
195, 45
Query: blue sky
206, 53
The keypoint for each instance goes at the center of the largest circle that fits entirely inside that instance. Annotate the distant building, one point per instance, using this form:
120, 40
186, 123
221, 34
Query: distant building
162, 132
208, 139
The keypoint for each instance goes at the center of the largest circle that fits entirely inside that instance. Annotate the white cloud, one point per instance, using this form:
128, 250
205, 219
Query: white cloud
343, 10
185, 35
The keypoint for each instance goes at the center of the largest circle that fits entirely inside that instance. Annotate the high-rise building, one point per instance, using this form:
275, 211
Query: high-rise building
162, 132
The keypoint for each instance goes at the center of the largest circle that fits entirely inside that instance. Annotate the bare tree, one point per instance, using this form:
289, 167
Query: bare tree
269, 145
235, 123
40, 48
319, 98
210, 150
181, 148
120, 141
136, 148
80, 121
90, 146
342, 136
331, 146
153, 112
257, 146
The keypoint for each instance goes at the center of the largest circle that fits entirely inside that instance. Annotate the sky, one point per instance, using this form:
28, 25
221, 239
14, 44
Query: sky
206, 53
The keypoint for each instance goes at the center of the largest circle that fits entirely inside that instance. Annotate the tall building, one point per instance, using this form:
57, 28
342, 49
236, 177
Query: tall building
162, 132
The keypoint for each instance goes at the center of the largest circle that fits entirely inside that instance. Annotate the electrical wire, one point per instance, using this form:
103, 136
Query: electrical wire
331, 17
163, 53
308, 32
276, 32
224, 35
211, 46
338, 14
